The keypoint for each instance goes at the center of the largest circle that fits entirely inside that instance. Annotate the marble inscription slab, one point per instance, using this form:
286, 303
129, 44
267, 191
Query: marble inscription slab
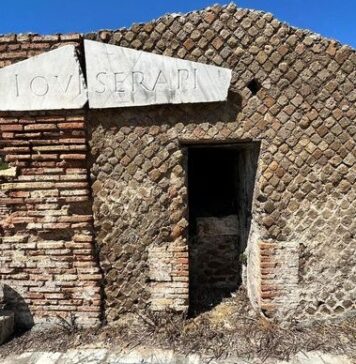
120, 77
50, 81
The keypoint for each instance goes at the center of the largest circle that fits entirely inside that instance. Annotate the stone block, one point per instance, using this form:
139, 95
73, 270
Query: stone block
49, 81
8, 172
119, 77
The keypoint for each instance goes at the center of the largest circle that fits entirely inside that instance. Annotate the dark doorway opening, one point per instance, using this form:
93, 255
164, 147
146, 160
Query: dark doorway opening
221, 181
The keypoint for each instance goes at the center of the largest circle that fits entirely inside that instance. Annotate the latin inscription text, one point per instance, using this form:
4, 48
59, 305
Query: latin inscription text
41, 86
136, 81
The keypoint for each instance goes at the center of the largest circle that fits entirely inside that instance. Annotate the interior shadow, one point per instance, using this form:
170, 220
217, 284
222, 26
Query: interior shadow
15, 302
221, 180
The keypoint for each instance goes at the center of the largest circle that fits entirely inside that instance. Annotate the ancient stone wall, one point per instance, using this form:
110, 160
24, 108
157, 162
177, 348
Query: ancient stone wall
139, 209
47, 263
292, 91
300, 106
214, 260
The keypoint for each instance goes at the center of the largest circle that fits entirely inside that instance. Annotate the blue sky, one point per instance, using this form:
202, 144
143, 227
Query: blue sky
331, 18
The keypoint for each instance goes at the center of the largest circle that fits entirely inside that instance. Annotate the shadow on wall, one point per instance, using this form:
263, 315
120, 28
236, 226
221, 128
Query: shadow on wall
16, 303
171, 114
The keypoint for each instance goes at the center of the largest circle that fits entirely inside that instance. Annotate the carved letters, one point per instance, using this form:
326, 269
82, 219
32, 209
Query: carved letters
42, 85
117, 77
124, 82
50, 81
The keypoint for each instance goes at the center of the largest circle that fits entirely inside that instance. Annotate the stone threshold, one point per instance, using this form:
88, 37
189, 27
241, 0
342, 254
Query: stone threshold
158, 356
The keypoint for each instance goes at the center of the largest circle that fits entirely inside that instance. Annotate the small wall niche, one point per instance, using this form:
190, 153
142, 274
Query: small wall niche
254, 86
221, 181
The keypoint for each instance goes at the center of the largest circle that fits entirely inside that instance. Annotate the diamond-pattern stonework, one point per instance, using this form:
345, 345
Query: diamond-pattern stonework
304, 114
300, 106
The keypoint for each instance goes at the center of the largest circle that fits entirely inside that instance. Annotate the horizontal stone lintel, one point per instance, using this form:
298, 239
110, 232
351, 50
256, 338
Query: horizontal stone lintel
116, 76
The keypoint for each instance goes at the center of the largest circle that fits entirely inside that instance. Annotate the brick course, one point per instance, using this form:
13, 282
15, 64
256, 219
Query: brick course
300, 252
47, 260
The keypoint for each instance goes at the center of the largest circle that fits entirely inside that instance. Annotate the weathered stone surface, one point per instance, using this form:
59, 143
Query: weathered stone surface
304, 116
46, 235
119, 77
105, 356
8, 172
305, 185
49, 81
159, 356
280, 262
